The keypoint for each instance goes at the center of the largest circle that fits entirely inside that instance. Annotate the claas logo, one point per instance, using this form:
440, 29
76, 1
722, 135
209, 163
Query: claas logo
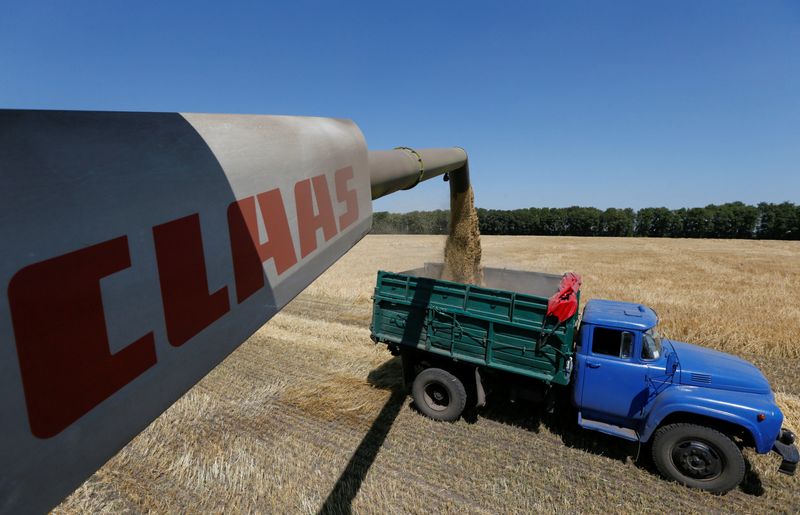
57, 307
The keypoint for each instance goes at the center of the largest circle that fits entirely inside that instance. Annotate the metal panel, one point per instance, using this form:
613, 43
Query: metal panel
482, 325
140, 249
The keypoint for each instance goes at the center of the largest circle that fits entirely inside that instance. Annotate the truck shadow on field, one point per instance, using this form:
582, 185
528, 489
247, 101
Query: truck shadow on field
533, 417
561, 420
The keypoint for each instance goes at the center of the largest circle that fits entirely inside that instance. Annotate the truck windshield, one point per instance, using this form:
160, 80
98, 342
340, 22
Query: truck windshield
651, 344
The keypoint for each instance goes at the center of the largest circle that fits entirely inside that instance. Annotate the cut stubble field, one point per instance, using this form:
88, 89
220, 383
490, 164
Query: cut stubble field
309, 415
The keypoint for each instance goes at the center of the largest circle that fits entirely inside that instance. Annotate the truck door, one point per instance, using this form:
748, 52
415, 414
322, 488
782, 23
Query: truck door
614, 386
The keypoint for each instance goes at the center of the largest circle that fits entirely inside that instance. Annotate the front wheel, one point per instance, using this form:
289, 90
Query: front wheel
439, 394
698, 457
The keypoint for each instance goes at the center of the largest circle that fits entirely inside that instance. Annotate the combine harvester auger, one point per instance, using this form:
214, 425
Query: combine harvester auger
140, 249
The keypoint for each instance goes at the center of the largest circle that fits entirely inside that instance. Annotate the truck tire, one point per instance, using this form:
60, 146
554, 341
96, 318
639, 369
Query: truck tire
438, 394
698, 457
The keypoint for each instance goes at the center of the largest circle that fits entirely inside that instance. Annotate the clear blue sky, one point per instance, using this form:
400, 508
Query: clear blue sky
627, 104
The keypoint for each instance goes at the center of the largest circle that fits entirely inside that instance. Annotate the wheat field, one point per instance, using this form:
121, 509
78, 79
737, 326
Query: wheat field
308, 415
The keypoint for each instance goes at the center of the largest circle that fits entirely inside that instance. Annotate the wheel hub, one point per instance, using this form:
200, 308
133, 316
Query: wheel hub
697, 459
436, 397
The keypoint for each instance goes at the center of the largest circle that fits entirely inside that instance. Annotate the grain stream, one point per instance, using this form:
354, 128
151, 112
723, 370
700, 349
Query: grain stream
462, 251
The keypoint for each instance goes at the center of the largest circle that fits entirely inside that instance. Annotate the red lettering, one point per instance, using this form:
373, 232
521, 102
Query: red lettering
62, 344
188, 307
308, 223
349, 197
247, 250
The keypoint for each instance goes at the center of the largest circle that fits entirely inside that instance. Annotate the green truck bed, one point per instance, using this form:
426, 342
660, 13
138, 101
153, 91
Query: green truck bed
496, 325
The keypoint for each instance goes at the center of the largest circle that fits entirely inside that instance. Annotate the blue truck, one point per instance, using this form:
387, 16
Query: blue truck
695, 407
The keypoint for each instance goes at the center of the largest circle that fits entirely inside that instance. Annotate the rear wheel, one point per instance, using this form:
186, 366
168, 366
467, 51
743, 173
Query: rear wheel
439, 394
699, 457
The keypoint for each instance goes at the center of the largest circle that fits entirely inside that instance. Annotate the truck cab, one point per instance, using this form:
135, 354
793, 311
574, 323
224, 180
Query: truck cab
697, 406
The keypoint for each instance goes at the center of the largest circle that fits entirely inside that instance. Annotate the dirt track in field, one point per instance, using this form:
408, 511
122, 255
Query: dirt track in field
308, 415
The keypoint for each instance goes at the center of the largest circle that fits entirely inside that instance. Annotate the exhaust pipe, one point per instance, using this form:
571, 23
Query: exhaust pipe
403, 168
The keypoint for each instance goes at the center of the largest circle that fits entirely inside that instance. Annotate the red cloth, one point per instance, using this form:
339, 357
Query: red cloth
564, 303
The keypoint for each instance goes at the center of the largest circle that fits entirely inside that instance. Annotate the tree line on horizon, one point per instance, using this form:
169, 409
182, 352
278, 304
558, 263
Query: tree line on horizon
731, 220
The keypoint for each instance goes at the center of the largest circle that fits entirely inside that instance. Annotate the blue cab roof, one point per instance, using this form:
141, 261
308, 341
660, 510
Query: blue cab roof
625, 315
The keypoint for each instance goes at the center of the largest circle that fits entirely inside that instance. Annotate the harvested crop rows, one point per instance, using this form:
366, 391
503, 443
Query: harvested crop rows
308, 415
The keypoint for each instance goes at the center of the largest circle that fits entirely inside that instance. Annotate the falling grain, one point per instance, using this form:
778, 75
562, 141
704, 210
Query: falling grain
462, 251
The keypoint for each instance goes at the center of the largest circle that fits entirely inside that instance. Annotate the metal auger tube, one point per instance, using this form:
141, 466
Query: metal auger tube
403, 168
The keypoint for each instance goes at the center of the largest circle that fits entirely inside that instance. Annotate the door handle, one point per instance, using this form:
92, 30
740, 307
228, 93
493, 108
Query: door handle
592, 364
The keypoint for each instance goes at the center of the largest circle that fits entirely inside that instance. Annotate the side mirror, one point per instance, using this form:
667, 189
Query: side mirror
672, 364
